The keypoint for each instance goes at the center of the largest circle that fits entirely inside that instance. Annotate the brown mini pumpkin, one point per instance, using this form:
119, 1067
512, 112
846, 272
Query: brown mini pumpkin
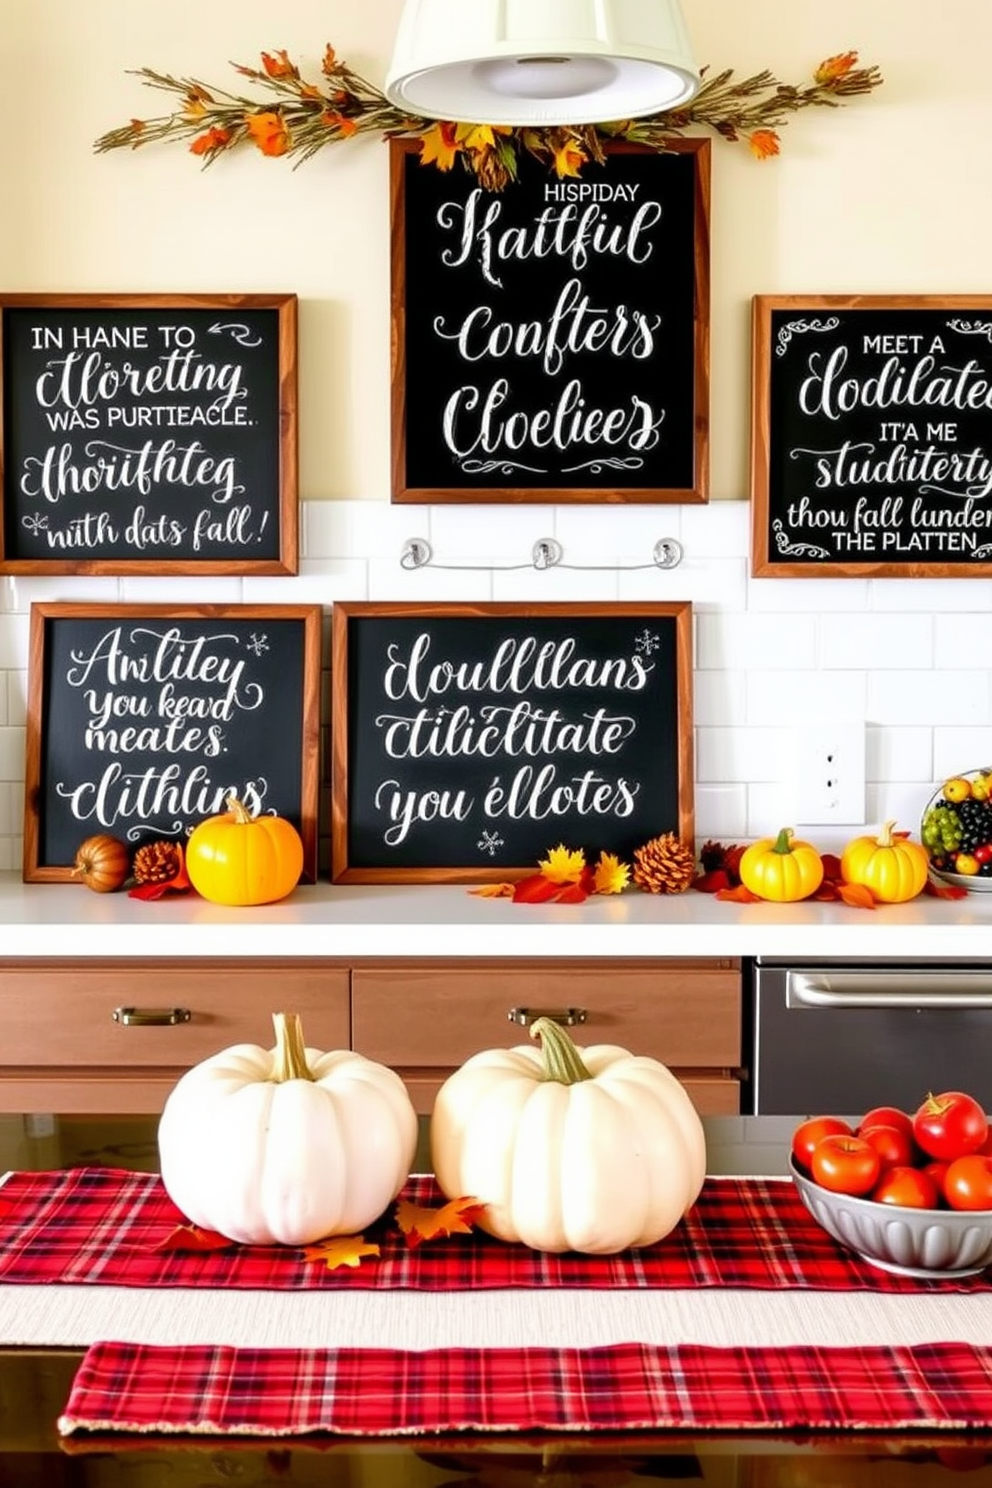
102, 863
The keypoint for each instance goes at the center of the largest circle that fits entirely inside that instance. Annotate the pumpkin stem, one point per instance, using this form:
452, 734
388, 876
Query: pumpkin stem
783, 842
885, 835
289, 1058
238, 810
562, 1061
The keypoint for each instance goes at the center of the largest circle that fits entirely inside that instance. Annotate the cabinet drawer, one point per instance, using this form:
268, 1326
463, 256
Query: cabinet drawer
688, 1015
60, 1016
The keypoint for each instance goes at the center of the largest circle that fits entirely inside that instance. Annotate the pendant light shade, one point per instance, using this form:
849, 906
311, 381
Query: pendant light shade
544, 62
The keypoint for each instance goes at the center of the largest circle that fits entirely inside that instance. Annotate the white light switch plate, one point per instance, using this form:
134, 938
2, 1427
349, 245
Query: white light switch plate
829, 772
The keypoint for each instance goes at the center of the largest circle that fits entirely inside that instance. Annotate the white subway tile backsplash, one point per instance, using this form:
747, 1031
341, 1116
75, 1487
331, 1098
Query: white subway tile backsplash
11, 753
808, 596
743, 754
898, 753
927, 697
361, 529
909, 659
14, 631
961, 640
933, 595
877, 641
615, 533
957, 749
728, 638
489, 533
798, 697
721, 812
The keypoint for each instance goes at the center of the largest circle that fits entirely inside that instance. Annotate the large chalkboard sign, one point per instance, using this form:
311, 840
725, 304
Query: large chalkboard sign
142, 719
469, 740
552, 337
148, 434
872, 436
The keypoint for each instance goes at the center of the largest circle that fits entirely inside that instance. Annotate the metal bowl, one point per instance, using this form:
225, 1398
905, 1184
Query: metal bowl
910, 1242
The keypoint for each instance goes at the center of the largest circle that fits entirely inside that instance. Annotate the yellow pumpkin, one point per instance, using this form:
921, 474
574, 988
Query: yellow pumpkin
237, 858
781, 868
893, 868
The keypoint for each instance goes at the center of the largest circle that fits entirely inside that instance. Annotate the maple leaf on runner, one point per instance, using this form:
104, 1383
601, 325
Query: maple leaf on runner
420, 1222
341, 1250
192, 1237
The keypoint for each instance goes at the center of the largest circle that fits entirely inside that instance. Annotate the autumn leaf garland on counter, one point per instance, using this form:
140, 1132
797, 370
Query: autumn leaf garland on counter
664, 865
302, 117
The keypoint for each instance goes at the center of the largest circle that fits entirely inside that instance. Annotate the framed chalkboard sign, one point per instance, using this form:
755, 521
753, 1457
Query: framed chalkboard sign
550, 341
871, 445
469, 740
148, 433
143, 719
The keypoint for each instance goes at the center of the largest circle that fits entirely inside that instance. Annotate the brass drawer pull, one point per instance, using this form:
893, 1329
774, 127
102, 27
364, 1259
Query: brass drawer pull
567, 1016
135, 1017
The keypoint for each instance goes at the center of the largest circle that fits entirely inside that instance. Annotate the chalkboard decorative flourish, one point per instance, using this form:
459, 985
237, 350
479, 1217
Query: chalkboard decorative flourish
972, 327
800, 327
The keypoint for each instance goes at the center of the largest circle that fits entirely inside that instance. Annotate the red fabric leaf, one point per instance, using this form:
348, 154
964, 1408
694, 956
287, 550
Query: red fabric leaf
572, 893
191, 1237
738, 895
831, 867
712, 882
944, 891
535, 890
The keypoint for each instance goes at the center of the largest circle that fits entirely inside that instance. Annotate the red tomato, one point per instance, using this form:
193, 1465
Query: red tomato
968, 1182
894, 1146
886, 1116
908, 1188
845, 1164
950, 1125
808, 1133
937, 1170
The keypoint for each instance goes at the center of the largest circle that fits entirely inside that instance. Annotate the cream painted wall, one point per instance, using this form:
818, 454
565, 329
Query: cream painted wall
891, 192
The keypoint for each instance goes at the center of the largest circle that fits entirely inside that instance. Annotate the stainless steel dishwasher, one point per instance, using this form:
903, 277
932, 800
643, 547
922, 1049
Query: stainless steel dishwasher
843, 1035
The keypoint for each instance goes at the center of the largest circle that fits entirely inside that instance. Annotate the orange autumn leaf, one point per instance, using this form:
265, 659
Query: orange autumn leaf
439, 146
420, 1222
340, 1250
610, 875
763, 143
192, 1237
856, 895
214, 139
833, 68
268, 131
535, 889
738, 895
562, 865
494, 891
569, 159
345, 126
279, 66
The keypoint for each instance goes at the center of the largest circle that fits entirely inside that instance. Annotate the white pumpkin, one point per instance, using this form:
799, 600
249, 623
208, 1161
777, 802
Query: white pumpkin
591, 1150
286, 1145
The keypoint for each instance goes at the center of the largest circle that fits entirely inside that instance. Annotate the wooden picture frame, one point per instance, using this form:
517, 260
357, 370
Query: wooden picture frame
148, 434
469, 740
550, 342
143, 718
871, 436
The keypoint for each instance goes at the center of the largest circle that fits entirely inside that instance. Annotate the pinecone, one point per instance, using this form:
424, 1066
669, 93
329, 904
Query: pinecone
156, 862
665, 865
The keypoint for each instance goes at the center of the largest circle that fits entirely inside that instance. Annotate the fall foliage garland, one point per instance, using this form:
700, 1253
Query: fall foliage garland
305, 116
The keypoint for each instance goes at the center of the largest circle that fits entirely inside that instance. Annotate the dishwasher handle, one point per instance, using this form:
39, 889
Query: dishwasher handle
887, 989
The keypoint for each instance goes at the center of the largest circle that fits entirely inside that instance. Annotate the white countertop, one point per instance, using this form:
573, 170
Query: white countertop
46, 920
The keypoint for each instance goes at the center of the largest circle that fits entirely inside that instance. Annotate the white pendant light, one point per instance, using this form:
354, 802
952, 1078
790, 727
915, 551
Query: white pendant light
541, 61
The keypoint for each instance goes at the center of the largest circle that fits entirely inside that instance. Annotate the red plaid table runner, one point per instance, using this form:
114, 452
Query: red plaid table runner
101, 1226
275, 1392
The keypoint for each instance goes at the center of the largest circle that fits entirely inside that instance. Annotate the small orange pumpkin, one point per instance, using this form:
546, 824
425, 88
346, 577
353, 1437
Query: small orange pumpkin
781, 868
102, 863
893, 868
237, 858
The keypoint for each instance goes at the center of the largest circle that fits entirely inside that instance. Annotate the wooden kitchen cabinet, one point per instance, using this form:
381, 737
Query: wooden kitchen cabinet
63, 1049
74, 1036
425, 1020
